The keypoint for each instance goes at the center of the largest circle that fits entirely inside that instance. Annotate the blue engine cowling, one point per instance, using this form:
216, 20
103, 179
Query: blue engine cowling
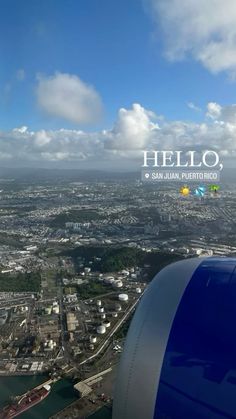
179, 360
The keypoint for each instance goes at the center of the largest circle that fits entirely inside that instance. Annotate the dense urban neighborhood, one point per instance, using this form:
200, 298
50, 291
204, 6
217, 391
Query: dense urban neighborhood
75, 259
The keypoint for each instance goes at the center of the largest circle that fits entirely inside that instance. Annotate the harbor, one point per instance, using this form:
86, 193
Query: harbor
66, 397
61, 395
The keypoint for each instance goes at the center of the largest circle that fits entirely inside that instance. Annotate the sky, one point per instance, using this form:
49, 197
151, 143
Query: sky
91, 83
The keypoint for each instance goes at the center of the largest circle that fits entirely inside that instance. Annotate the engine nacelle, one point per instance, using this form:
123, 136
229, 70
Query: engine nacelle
179, 359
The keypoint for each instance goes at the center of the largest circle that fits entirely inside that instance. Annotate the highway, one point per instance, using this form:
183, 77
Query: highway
112, 332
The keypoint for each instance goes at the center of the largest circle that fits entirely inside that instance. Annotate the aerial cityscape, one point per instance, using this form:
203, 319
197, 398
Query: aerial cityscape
117, 158
76, 257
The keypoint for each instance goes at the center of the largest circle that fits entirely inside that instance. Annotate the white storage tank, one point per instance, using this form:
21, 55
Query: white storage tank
103, 316
99, 303
93, 339
118, 307
109, 280
107, 323
101, 310
123, 297
125, 272
114, 314
138, 290
117, 284
101, 329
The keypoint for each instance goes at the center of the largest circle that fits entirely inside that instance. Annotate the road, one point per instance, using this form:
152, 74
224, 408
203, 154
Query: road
117, 326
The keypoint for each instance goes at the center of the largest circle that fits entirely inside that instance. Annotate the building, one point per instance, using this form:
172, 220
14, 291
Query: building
71, 321
82, 388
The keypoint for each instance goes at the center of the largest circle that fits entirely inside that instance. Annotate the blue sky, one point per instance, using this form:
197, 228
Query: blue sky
124, 49
109, 44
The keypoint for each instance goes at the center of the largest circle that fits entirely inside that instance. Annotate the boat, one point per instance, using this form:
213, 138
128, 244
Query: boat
28, 400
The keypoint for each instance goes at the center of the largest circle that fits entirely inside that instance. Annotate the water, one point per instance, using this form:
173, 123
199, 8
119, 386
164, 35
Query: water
62, 394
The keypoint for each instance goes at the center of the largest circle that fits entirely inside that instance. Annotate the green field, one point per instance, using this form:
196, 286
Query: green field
22, 282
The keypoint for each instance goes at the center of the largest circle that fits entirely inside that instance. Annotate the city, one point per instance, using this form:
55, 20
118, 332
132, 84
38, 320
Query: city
76, 257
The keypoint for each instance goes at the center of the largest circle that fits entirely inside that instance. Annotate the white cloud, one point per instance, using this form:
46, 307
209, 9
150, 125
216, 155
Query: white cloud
67, 96
226, 114
214, 110
203, 29
194, 107
134, 129
22, 129
42, 138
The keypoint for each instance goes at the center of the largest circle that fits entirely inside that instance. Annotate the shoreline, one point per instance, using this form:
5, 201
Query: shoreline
21, 374
61, 394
